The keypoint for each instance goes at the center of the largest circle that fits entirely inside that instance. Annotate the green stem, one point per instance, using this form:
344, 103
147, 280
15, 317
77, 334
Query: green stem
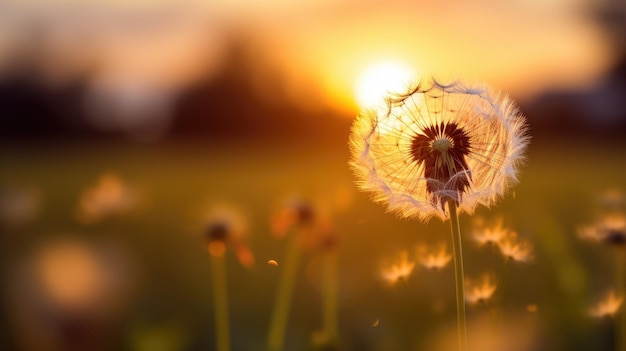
458, 274
220, 302
620, 286
330, 323
280, 314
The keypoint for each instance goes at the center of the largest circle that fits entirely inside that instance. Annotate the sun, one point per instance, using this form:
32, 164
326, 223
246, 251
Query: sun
379, 79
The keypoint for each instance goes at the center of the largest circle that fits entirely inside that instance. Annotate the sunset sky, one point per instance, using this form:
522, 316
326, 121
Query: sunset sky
150, 49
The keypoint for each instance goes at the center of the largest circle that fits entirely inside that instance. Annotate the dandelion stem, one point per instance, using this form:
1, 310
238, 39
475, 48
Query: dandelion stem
458, 274
620, 285
280, 314
331, 290
220, 302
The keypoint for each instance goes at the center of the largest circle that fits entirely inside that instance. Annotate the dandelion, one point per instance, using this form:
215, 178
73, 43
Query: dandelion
515, 249
610, 229
434, 259
300, 215
485, 233
479, 291
437, 145
109, 196
295, 212
608, 307
224, 227
398, 270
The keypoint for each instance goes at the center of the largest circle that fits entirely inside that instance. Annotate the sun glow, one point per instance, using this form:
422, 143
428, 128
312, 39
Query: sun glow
379, 79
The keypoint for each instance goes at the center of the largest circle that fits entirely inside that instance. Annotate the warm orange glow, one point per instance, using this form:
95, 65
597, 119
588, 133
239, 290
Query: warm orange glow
217, 248
381, 78
70, 274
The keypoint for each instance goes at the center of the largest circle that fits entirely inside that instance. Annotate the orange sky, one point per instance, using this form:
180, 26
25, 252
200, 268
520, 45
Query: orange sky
520, 46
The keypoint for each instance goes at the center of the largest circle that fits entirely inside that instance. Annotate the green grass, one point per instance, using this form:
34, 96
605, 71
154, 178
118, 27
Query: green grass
171, 297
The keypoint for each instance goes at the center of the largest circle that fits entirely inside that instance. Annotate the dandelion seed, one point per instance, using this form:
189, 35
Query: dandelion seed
608, 307
399, 270
516, 249
610, 229
436, 143
485, 233
481, 291
434, 259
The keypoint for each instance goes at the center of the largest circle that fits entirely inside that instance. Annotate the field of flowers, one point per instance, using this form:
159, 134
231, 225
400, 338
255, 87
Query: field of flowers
106, 247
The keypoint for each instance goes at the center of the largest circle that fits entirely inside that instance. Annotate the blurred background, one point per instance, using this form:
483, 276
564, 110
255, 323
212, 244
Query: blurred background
122, 121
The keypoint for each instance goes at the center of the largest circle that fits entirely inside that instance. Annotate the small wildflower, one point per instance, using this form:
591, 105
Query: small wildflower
109, 196
224, 226
516, 249
316, 230
439, 142
611, 230
399, 270
295, 212
433, 259
488, 233
481, 291
607, 307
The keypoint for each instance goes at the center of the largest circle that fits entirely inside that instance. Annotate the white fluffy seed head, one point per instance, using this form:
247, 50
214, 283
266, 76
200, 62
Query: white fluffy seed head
397, 171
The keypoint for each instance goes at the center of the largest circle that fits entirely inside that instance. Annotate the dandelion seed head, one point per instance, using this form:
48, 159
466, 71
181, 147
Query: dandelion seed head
295, 212
607, 307
488, 233
225, 227
222, 222
479, 291
433, 258
438, 142
516, 249
610, 230
398, 270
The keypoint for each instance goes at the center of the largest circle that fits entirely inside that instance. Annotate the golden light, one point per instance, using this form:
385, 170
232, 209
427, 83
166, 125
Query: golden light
379, 79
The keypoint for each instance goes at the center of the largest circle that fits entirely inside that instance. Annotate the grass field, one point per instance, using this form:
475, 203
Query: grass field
167, 299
